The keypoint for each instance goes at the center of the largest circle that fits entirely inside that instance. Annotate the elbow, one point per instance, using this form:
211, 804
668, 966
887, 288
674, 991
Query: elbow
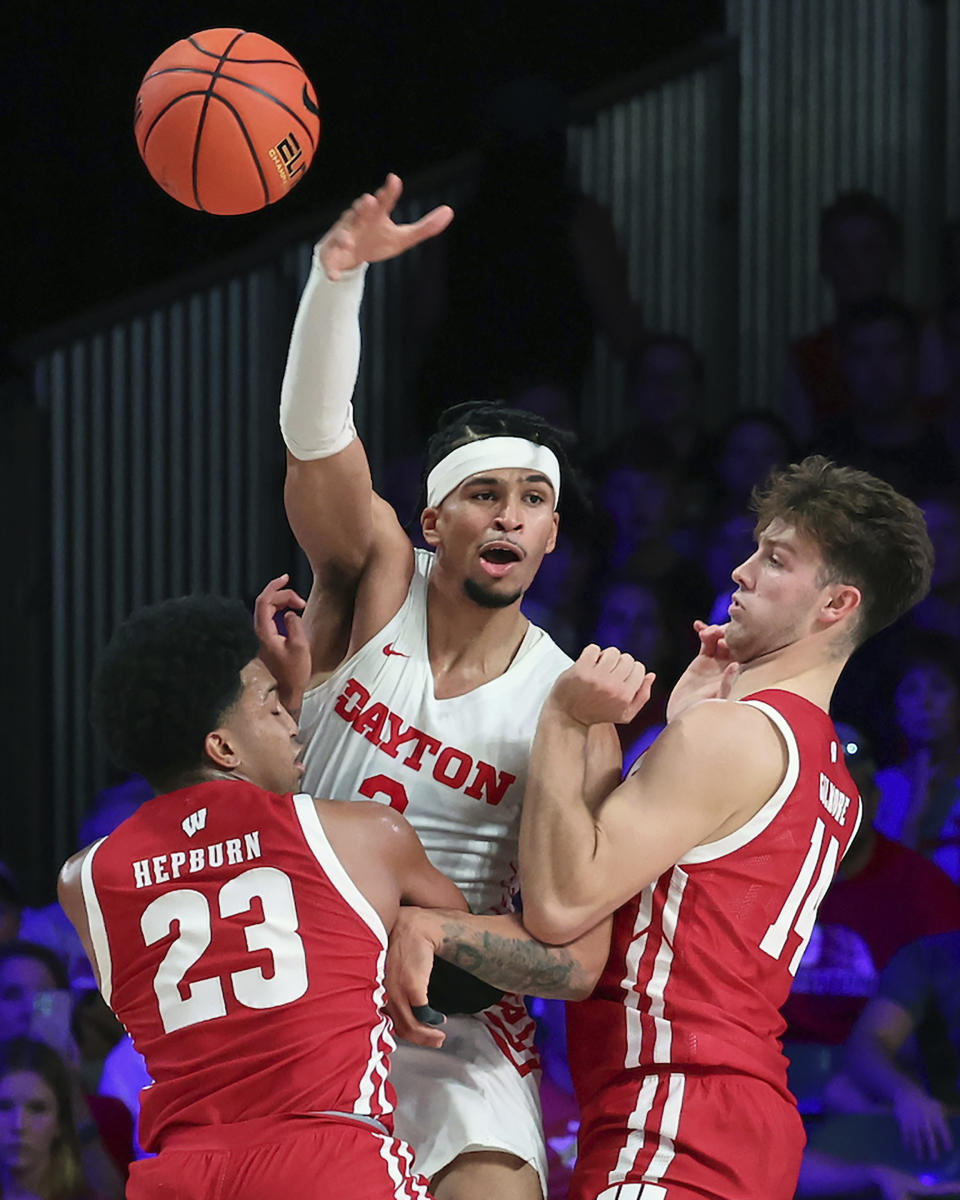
554, 924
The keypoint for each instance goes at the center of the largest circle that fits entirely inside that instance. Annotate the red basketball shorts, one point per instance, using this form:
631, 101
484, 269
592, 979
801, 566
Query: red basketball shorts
295, 1158
680, 1137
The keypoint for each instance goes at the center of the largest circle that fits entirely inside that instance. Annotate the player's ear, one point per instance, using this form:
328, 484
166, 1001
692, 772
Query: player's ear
552, 540
842, 602
428, 523
221, 750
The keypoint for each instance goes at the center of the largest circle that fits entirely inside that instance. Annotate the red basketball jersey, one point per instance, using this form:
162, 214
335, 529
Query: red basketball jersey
703, 958
242, 959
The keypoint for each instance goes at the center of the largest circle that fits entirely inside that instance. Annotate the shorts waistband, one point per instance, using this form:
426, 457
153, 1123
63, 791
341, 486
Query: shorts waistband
261, 1129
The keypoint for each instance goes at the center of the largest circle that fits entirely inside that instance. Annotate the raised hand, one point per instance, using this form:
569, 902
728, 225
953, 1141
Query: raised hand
286, 656
603, 686
366, 231
710, 675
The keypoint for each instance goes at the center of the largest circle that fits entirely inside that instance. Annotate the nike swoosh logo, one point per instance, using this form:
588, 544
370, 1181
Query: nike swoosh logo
309, 104
388, 650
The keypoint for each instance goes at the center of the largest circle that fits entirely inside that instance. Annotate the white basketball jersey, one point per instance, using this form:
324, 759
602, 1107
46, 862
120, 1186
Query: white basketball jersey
455, 768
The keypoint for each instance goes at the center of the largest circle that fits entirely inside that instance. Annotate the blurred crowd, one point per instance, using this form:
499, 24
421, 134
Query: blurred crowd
873, 1024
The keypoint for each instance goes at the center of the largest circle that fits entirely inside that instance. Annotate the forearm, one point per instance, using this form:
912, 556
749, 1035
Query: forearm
498, 950
875, 1069
558, 834
316, 414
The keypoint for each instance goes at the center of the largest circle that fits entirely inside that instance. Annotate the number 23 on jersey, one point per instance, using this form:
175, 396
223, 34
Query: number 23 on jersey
182, 1005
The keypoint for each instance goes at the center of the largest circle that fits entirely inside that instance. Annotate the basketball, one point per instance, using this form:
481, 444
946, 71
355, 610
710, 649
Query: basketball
226, 121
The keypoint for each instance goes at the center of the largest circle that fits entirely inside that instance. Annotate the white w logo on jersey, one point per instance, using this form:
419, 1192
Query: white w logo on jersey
194, 823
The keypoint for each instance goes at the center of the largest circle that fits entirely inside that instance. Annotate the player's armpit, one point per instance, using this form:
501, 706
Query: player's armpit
705, 775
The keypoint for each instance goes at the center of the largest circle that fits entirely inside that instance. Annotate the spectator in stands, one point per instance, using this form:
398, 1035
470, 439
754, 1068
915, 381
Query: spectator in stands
885, 895
27, 969
35, 1003
860, 250
884, 429
641, 491
743, 453
920, 791
922, 979
40, 1146
664, 391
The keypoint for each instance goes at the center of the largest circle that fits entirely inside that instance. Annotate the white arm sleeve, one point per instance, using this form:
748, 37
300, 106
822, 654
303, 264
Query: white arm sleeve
316, 413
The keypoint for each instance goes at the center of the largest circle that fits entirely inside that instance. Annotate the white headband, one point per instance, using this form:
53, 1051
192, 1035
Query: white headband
487, 454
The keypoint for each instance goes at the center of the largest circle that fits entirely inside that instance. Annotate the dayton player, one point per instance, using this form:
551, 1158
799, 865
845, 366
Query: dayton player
426, 679
239, 931
716, 851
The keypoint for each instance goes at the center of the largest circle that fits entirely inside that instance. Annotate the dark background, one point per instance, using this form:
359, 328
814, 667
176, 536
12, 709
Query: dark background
400, 86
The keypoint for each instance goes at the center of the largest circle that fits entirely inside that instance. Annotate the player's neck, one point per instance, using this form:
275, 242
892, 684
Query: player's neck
469, 645
802, 668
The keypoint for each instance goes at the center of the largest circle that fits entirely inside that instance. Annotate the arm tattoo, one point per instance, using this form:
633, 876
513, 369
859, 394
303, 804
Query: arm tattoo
514, 963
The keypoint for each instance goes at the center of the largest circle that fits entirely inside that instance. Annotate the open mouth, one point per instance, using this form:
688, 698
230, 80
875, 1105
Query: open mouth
497, 558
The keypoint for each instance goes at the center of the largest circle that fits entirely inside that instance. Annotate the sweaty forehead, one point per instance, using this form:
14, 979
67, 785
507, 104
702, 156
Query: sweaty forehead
256, 678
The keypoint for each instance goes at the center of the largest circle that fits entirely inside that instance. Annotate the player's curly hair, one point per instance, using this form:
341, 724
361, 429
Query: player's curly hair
168, 675
476, 419
867, 533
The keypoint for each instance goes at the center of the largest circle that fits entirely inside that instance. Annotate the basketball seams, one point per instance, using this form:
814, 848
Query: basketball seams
240, 83
215, 75
203, 116
250, 146
286, 62
166, 108
277, 101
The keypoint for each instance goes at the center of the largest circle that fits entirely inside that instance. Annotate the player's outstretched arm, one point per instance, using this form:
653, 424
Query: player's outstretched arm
341, 525
579, 861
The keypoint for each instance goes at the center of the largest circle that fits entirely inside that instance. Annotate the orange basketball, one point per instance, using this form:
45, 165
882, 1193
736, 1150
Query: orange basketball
226, 121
